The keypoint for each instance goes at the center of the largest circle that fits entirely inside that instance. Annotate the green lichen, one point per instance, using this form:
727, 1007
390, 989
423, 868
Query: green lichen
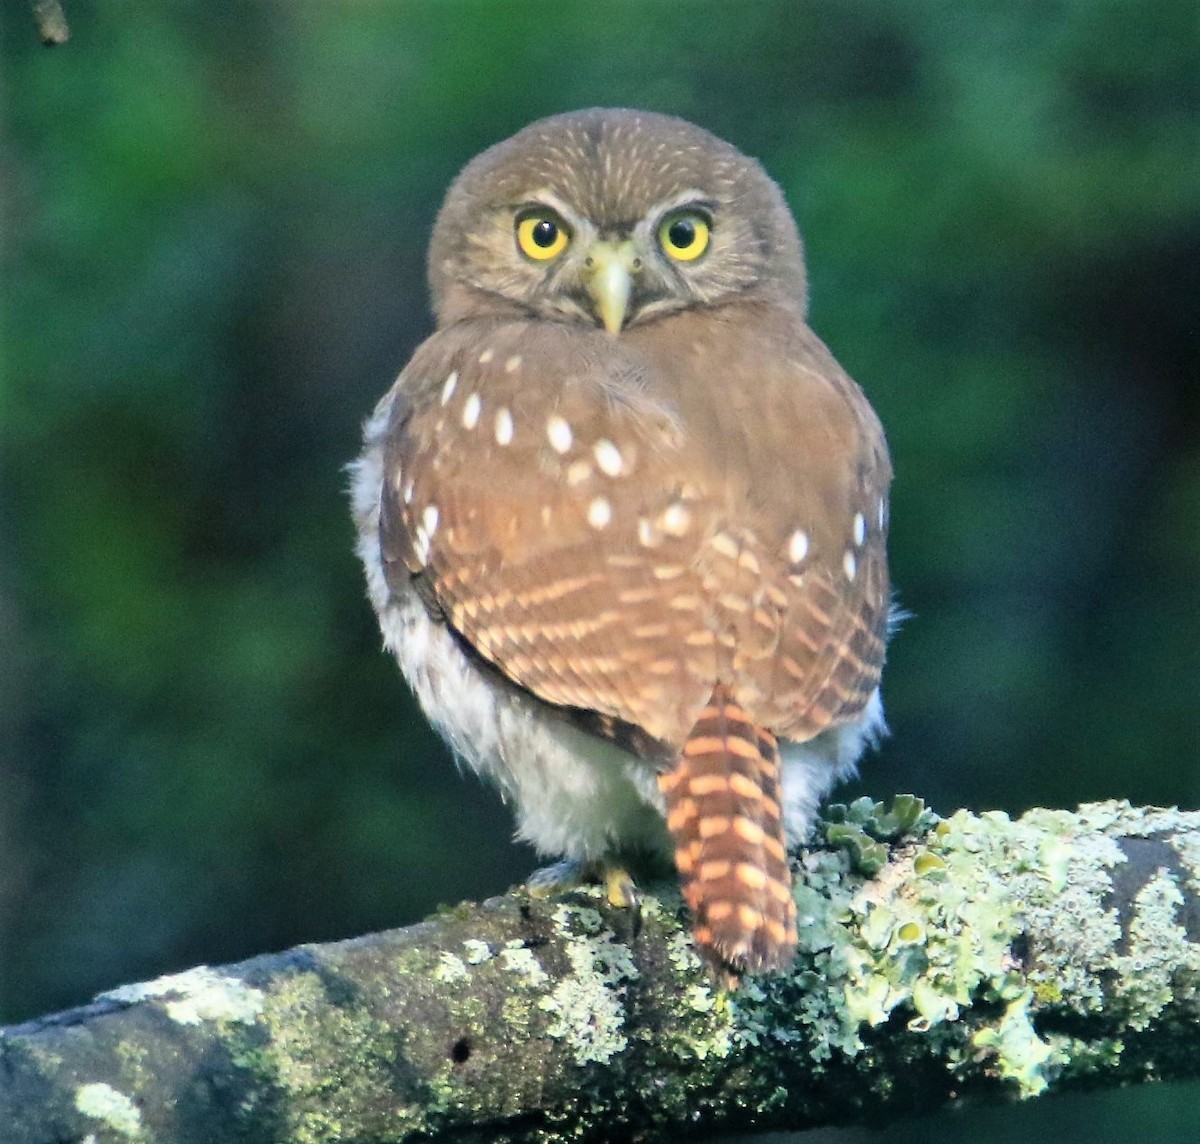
1021, 1055
1119, 817
1187, 846
199, 995
332, 1061
975, 931
450, 969
929, 935
113, 1109
1097, 1056
682, 952
1075, 932
868, 856
521, 961
515, 1012
587, 1006
477, 952
945, 928
1078, 935
932, 931
135, 1059
1162, 965
862, 827
821, 1012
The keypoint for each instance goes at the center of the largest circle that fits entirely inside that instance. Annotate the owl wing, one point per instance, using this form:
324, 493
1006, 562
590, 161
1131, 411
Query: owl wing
616, 546
801, 459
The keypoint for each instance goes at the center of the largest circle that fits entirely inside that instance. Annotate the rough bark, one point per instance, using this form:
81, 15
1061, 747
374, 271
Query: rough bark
940, 959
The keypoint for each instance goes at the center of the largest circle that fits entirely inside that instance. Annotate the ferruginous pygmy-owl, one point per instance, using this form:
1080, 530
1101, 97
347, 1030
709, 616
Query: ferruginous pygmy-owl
623, 516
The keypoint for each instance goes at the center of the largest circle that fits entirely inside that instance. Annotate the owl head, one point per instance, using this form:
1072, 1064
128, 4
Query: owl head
611, 218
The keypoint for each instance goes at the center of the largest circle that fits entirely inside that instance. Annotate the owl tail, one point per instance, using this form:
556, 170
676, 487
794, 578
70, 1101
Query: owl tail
723, 811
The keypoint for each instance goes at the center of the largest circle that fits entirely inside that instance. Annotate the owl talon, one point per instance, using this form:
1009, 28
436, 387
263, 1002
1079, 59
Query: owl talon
621, 889
561, 877
622, 893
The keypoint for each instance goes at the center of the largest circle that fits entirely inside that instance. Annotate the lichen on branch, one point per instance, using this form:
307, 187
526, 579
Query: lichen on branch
939, 958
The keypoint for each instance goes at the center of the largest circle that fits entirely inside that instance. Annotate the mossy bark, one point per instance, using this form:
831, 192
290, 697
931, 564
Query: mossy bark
971, 955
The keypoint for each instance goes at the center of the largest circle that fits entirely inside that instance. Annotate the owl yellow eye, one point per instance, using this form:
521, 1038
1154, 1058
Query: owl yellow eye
684, 235
541, 236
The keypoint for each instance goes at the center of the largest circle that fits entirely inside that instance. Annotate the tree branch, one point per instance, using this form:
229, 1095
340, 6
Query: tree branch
968, 955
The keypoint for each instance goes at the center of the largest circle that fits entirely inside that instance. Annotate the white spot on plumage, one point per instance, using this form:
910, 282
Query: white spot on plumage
408, 493
860, 529
513, 364
647, 534
725, 545
504, 427
486, 356
882, 513
798, 546
599, 513
448, 388
423, 533
746, 559
421, 545
676, 520
608, 457
849, 565
578, 472
558, 431
471, 410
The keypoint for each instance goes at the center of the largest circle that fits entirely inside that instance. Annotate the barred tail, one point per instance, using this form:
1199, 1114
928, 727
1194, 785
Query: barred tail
723, 811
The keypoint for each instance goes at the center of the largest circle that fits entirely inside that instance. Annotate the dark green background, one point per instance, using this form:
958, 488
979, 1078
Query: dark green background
214, 221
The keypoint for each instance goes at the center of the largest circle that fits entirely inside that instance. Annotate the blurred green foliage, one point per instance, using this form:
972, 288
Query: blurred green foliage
214, 220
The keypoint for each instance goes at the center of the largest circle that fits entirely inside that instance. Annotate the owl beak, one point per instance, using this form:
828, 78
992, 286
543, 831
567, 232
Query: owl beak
610, 270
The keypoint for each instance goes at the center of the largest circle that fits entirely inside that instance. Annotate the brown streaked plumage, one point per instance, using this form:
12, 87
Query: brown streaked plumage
624, 517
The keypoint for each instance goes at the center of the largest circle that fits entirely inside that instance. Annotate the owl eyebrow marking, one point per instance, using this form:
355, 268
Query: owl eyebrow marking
545, 197
692, 198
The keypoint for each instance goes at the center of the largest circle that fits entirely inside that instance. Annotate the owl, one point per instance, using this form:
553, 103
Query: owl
623, 518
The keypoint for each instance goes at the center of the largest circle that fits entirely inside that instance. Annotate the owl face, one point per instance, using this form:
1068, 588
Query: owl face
611, 218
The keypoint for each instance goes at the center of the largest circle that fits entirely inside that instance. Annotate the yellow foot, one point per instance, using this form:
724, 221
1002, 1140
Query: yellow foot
621, 889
